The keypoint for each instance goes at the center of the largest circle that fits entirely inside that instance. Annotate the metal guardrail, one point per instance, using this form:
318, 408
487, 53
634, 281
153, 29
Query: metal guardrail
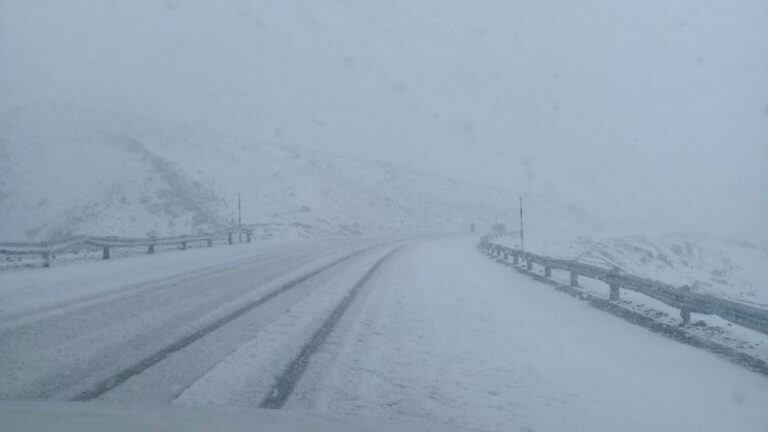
678, 297
47, 250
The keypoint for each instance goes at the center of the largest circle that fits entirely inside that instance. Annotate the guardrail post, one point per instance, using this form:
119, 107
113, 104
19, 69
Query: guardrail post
209, 242
248, 236
685, 314
229, 237
105, 253
574, 279
183, 245
151, 249
528, 265
547, 271
46, 258
614, 292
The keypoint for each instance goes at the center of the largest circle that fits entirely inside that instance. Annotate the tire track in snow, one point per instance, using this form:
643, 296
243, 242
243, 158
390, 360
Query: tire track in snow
285, 384
115, 380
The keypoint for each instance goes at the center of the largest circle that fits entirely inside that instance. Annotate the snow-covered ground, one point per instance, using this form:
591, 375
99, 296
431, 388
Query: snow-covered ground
732, 269
25, 291
439, 334
453, 337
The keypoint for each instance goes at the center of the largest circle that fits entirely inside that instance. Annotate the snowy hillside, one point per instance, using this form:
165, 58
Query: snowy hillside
67, 170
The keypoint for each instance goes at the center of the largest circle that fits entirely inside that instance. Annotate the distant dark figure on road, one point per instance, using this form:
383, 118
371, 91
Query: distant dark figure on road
472, 227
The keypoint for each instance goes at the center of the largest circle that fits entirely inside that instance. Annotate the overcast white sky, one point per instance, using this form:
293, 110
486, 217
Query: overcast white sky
654, 111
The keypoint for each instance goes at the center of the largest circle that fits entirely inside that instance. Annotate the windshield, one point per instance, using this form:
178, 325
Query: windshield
494, 215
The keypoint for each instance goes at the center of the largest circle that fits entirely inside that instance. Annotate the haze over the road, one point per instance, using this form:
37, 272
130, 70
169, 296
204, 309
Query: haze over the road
653, 113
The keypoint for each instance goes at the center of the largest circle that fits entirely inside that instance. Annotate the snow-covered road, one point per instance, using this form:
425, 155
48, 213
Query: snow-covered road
430, 331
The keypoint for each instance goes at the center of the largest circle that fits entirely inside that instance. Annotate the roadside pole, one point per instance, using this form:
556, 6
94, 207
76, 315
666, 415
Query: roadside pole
522, 237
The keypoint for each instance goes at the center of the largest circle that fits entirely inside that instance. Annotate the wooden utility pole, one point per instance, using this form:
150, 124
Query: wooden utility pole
239, 219
522, 237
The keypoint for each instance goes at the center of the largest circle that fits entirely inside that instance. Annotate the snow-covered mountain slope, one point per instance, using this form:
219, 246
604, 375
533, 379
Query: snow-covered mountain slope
67, 170
61, 177
723, 268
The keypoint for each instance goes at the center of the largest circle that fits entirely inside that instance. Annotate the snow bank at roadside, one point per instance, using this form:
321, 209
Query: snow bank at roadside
732, 269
